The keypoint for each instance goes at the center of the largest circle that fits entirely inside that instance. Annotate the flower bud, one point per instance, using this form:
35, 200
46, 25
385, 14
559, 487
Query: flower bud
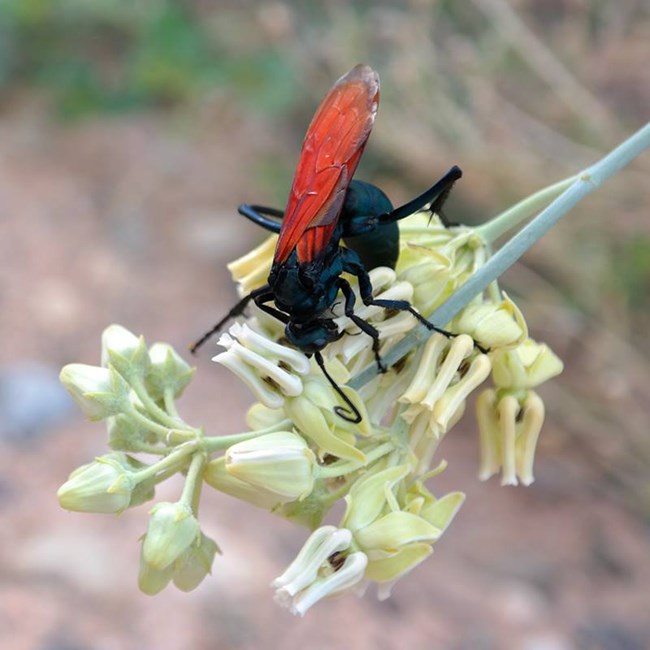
104, 486
172, 529
167, 371
195, 564
152, 581
527, 366
279, 462
124, 351
493, 325
217, 476
99, 392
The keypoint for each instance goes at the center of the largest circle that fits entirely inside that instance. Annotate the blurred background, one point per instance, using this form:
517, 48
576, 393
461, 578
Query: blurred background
129, 133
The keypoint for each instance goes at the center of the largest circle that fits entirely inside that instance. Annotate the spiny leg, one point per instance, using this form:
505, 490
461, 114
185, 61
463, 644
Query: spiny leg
237, 310
364, 326
405, 305
352, 264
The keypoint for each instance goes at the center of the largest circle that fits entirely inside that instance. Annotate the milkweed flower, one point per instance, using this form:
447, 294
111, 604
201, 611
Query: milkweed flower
448, 372
325, 567
509, 428
270, 370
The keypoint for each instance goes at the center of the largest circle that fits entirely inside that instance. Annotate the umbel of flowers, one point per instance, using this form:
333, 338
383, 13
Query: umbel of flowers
299, 456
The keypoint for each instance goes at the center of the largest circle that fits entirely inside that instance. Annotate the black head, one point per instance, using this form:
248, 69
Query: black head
312, 336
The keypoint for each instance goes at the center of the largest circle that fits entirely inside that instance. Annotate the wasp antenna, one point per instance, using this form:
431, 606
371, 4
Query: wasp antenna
351, 414
209, 334
237, 310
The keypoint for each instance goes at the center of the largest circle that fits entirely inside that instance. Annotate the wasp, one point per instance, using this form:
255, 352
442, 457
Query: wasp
326, 206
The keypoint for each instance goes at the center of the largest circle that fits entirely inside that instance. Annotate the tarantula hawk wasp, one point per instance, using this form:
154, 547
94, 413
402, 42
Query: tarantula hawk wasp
325, 205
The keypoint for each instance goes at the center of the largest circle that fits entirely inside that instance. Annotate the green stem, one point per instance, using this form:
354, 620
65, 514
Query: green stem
193, 482
174, 462
509, 253
148, 423
216, 443
508, 219
151, 407
170, 404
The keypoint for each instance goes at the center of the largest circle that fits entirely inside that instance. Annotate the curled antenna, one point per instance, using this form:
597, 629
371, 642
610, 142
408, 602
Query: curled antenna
350, 414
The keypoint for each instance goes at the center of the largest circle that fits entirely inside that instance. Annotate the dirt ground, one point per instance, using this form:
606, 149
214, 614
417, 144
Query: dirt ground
131, 221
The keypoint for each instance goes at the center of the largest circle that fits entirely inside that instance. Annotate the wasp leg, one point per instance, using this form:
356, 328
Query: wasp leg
364, 326
352, 264
261, 301
237, 310
350, 414
260, 214
436, 195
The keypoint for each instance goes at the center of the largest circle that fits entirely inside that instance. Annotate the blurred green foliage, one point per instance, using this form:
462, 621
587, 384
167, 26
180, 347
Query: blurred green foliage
630, 276
111, 55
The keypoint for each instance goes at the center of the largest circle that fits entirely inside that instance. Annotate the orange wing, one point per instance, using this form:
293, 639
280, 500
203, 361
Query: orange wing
330, 154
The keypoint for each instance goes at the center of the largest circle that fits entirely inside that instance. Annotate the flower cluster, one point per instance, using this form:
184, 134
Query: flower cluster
134, 391
299, 456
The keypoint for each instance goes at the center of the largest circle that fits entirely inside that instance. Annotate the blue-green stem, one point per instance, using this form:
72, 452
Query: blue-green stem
509, 253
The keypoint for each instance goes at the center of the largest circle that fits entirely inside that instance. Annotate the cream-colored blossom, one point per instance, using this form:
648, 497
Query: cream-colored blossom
492, 324
315, 415
272, 371
252, 270
325, 567
509, 428
396, 534
448, 371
